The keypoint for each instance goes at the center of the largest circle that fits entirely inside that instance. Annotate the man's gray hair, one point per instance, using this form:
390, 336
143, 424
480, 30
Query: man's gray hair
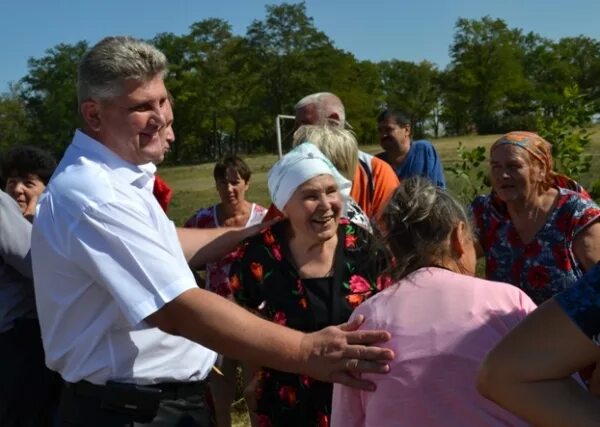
104, 67
327, 104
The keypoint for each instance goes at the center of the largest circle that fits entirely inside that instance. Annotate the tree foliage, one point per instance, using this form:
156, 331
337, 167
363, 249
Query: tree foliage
413, 88
14, 120
228, 88
49, 94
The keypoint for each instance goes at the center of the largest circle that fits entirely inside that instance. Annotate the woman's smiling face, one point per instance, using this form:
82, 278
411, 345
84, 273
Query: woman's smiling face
314, 209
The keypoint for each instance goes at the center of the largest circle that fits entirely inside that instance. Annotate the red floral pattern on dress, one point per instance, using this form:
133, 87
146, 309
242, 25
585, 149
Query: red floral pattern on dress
359, 284
276, 251
306, 381
277, 291
538, 276
288, 395
264, 421
355, 299
350, 241
383, 281
322, 420
546, 265
280, 318
257, 271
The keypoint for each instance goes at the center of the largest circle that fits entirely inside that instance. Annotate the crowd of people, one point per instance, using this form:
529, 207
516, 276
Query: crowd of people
353, 300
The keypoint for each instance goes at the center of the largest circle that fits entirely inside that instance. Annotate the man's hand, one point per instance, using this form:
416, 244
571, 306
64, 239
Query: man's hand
338, 353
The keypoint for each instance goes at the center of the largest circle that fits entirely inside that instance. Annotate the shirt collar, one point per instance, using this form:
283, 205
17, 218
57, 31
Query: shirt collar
138, 175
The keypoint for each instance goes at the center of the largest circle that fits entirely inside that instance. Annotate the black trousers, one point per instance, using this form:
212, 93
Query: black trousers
28, 390
87, 406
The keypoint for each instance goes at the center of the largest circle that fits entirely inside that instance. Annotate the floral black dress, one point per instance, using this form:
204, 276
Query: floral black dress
265, 280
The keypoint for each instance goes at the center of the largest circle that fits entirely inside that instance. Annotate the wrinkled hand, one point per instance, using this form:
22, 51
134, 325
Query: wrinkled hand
338, 353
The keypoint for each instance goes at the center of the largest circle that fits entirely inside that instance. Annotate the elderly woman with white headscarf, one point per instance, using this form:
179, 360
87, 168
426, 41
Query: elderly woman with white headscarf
307, 272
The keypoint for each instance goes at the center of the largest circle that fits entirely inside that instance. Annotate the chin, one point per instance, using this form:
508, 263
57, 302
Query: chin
387, 145
509, 196
326, 235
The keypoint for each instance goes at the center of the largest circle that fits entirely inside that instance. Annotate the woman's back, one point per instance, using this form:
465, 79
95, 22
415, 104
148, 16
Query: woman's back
442, 325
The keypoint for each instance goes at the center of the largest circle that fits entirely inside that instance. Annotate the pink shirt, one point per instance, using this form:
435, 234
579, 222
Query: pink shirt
442, 325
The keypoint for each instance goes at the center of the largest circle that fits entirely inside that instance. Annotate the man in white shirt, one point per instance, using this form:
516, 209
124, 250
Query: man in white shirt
120, 313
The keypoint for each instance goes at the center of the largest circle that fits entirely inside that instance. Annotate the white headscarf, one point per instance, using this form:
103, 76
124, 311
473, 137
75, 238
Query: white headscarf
304, 162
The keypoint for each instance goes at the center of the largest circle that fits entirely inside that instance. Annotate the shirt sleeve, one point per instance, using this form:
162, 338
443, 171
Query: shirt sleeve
119, 246
15, 236
386, 181
581, 303
435, 170
583, 212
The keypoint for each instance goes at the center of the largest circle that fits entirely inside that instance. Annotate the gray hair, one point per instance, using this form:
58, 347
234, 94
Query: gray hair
418, 221
105, 66
327, 104
337, 144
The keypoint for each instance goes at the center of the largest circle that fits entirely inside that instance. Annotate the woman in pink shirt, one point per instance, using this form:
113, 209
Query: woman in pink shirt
443, 320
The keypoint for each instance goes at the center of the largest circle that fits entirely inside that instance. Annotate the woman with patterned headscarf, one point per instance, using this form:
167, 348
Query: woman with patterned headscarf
538, 230
306, 272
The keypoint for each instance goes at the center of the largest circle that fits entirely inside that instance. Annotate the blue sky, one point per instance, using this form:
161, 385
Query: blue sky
411, 30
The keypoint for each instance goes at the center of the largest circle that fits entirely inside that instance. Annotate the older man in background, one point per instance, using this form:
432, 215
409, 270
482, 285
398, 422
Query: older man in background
374, 181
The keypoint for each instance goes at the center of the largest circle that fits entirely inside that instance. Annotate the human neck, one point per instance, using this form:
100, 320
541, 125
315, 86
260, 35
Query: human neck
450, 264
397, 154
231, 213
312, 258
531, 206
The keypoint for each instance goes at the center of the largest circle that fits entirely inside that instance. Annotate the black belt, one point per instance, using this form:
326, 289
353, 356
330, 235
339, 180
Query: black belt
167, 391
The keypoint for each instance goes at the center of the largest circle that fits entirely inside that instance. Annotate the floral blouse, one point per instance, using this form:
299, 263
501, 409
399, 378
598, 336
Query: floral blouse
217, 273
264, 279
547, 264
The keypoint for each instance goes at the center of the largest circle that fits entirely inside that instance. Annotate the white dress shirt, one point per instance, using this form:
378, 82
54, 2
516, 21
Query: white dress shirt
105, 257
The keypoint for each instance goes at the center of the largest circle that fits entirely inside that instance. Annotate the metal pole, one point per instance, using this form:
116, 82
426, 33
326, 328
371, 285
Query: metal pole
278, 128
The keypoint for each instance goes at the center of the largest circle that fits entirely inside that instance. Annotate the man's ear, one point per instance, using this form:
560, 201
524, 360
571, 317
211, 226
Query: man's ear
334, 118
458, 238
90, 112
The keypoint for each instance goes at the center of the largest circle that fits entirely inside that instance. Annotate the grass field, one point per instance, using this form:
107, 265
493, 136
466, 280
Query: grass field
194, 187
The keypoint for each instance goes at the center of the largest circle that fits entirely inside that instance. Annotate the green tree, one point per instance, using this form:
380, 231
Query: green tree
413, 88
486, 68
14, 121
567, 131
289, 50
50, 95
582, 54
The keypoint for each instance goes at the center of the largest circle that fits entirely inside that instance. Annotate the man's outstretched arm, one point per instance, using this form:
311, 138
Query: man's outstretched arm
332, 354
